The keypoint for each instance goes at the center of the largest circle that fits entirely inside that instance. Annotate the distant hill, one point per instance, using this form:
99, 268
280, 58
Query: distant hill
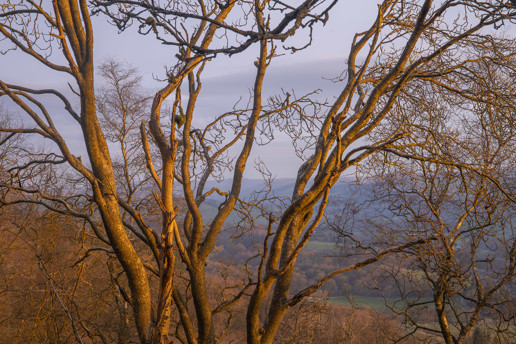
281, 187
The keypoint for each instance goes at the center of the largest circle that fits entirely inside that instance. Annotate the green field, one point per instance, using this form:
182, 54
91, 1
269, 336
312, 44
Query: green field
320, 245
376, 303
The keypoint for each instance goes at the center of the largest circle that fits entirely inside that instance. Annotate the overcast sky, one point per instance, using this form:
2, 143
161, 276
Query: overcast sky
225, 80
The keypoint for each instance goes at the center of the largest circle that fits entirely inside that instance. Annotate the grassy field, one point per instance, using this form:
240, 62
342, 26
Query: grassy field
320, 245
376, 303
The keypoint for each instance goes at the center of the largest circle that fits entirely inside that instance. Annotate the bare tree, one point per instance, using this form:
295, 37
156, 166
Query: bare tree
453, 180
410, 43
467, 273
